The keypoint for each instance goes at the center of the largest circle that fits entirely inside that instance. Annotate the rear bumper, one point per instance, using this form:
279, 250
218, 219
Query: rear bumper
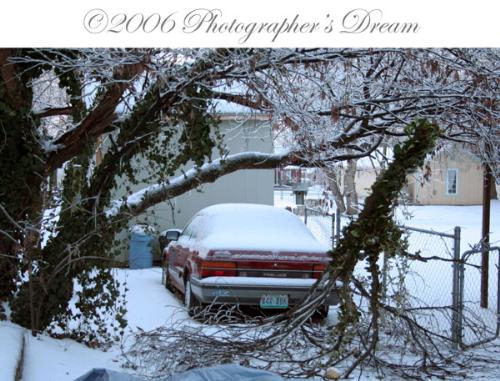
248, 290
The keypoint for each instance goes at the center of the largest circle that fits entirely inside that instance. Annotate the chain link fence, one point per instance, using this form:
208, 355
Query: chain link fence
439, 284
424, 279
444, 286
325, 226
479, 322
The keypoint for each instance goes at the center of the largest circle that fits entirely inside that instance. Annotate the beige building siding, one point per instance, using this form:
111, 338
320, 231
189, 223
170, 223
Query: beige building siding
244, 186
434, 191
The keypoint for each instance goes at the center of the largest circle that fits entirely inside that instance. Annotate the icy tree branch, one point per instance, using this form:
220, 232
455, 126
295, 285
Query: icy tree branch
99, 119
139, 201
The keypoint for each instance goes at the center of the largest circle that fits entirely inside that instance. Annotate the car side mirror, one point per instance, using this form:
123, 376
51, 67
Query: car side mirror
172, 234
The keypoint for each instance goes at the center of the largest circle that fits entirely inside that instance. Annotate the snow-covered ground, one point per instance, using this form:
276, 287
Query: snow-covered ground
11, 341
46, 359
150, 305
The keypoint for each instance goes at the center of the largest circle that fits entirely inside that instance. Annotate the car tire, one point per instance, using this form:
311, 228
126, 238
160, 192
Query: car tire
322, 311
165, 278
192, 304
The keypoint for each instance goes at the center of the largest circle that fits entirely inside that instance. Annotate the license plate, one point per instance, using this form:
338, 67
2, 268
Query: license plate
273, 301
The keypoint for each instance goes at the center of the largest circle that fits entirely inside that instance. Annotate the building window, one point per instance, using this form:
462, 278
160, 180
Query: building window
452, 181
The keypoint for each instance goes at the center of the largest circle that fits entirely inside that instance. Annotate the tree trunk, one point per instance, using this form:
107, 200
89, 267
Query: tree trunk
21, 173
374, 231
350, 193
335, 187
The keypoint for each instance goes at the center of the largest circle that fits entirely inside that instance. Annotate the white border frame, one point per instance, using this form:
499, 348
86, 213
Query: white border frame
59, 23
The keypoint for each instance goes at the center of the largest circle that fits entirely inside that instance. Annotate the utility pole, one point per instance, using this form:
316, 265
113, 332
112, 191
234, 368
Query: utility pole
485, 238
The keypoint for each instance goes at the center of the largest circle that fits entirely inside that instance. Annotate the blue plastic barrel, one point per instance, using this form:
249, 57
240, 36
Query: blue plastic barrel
140, 251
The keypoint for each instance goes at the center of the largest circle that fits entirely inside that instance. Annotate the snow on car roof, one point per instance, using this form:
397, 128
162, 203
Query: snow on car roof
252, 227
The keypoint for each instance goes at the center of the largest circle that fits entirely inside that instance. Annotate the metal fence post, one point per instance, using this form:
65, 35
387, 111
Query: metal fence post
456, 322
305, 215
333, 230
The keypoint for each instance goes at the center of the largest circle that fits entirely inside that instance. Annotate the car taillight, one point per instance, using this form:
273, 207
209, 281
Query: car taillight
318, 270
209, 268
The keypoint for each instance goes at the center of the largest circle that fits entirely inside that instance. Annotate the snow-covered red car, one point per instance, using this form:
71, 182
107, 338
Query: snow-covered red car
244, 254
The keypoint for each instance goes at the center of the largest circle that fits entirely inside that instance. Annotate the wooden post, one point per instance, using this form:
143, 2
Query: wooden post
485, 238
